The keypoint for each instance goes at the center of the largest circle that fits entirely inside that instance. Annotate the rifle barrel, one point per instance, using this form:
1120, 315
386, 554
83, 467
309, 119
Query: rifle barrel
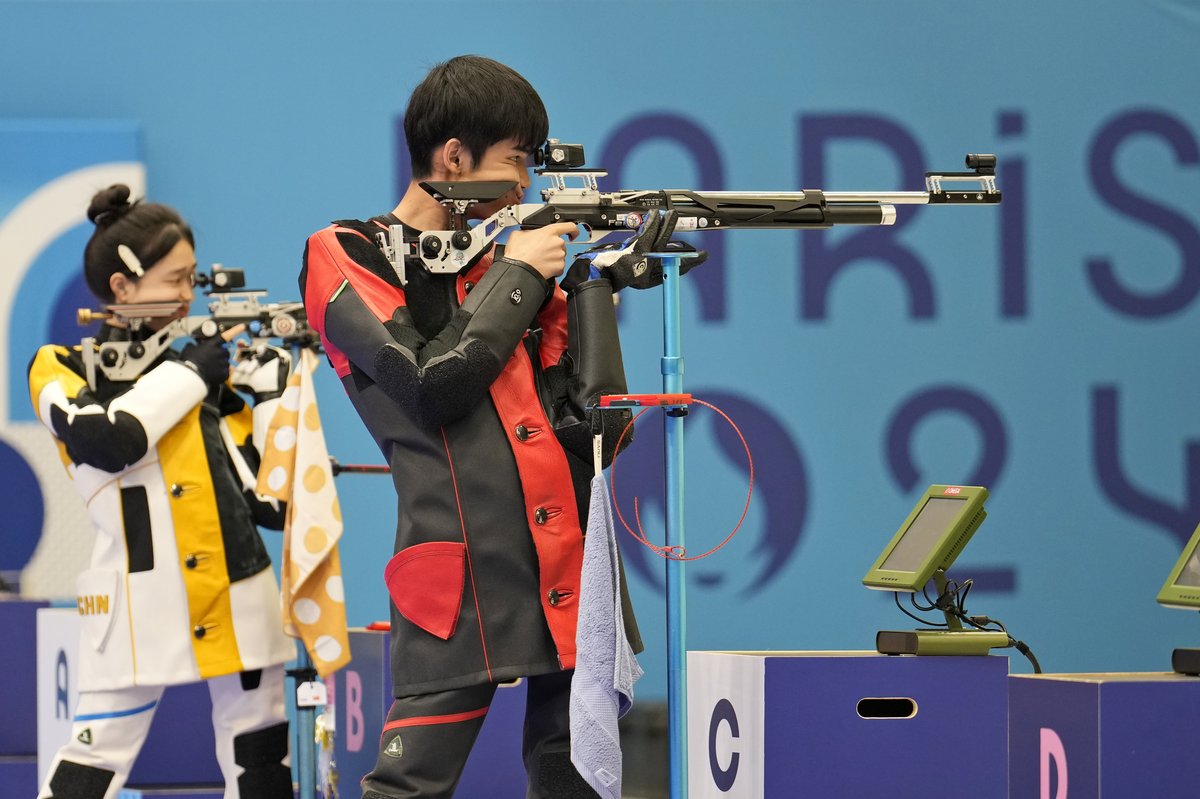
891, 197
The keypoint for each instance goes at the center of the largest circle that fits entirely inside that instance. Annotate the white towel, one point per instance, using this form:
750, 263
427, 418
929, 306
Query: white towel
605, 666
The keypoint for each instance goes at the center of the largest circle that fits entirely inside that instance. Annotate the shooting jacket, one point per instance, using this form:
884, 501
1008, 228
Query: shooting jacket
180, 586
472, 385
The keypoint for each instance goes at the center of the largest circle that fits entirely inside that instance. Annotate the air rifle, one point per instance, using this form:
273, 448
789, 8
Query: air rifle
603, 213
230, 304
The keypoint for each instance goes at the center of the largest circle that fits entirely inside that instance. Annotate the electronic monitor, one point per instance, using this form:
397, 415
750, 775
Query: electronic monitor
932, 536
1182, 589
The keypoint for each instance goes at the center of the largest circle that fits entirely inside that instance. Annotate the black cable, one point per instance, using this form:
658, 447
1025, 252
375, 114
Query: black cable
1024, 649
912, 599
980, 622
962, 597
954, 601
924, 593
896, 596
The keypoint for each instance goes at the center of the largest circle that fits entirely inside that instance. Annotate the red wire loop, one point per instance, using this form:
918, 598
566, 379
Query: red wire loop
678, 552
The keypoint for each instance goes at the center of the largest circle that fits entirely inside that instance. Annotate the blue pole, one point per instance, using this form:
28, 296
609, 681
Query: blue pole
672, 372
306, 731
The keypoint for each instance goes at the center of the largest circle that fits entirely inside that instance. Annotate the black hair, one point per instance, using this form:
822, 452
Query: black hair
149, 230
476, 100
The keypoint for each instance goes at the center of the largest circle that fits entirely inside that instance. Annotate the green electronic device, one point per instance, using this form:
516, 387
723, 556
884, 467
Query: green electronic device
931, 538
1182, 590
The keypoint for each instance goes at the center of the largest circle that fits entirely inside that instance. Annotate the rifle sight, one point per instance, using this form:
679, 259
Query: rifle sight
221, 280
555, 156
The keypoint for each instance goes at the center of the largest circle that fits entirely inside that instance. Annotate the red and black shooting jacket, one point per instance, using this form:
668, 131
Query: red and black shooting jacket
473, 385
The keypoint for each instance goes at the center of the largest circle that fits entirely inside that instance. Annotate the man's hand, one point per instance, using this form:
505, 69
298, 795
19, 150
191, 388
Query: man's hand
262, 372
542, 248
628, 263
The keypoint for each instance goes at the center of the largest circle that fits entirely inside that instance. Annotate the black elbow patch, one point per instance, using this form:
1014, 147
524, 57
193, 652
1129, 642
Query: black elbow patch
93, 439
441, 392
453, 386
397, 376
449, 338
405, 336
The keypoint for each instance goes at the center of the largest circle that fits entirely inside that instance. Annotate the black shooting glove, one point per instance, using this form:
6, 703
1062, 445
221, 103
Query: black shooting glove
209, 358
628, 263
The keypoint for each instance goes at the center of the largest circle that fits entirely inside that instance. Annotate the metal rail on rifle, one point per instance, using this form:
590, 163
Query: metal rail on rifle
603, 213
230, 304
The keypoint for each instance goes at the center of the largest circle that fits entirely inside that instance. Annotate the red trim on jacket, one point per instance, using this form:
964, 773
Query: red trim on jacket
462, 524
421, 721
549, 501
553, 319
328, 266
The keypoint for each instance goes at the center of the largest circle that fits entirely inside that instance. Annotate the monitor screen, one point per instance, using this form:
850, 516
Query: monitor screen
1190, 574
932, 535
1182, 588
912, 550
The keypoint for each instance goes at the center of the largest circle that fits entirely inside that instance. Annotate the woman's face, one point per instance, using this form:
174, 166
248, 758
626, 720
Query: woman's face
167, 281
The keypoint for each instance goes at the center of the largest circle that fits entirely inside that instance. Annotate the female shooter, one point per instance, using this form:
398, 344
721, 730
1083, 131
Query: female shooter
180, 587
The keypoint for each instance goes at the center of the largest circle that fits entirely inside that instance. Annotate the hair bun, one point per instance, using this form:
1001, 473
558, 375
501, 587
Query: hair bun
109, 205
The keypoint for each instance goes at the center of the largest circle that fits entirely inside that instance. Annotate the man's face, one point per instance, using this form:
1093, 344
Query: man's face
502, 161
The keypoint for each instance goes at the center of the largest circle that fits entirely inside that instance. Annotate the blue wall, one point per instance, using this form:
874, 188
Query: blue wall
1045, 348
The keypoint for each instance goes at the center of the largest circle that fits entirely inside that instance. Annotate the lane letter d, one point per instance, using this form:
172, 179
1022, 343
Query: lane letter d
1052, 750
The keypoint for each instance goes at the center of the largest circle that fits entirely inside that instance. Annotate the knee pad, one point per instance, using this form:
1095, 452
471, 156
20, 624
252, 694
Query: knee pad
76, 781
558, 778
251, 679
260, 754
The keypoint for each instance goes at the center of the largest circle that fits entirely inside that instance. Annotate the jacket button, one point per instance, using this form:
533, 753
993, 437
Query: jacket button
176, 490
522, 432
199, 631
553, 596
191, 561
468, 286
540, 516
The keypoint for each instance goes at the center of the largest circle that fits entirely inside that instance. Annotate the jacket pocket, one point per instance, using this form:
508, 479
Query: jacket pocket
98, 594
425, 582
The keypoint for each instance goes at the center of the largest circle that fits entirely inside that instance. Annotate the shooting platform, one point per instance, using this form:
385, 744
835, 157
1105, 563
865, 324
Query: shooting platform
789, 724
1103, 735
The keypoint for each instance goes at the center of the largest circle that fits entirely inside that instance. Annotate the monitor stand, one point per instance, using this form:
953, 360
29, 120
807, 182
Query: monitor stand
1186, 661
954, 640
